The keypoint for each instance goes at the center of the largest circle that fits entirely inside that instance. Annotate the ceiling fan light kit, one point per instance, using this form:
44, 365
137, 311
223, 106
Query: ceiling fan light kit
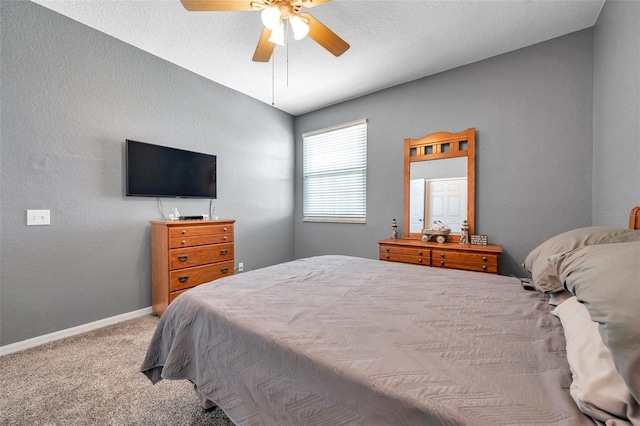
299, 26
277, 35
272, 15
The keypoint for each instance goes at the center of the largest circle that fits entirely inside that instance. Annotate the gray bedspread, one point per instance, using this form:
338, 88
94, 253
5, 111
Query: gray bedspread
336, 340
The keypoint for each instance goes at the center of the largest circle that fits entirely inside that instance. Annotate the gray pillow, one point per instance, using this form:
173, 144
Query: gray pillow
543, 274
606, 278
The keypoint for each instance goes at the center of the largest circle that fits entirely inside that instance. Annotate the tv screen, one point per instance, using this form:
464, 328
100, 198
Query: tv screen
160, 171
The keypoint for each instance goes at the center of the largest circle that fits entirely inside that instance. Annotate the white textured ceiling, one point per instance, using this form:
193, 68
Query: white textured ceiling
392, 41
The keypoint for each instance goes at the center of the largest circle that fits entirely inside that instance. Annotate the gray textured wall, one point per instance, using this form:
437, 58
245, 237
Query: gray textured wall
616, 113
532, 110
70, 97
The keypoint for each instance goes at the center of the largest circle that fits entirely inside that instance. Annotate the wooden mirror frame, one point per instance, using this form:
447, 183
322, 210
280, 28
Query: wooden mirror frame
437, 146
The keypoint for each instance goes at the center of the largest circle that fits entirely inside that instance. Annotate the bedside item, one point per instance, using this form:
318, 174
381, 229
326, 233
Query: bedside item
185, 254
479, 240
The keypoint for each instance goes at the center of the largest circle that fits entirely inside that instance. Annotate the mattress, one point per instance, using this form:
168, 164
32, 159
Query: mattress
337, 340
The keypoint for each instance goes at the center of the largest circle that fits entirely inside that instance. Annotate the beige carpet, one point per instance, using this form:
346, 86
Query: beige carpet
94, 379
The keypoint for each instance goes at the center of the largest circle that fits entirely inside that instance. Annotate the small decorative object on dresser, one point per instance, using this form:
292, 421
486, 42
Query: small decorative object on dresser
464, 232
439, 230
185, 254
479, 240
174, 215
394, 228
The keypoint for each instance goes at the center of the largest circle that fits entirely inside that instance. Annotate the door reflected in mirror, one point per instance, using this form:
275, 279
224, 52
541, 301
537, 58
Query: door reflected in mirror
438, 192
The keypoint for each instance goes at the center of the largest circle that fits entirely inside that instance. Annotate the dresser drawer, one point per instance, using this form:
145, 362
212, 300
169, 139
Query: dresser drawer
405, 254
404, 250
174, 294
191, 277
192, 231
405, 258
466, 257
201, 255
468, 266
447, 255
199, 240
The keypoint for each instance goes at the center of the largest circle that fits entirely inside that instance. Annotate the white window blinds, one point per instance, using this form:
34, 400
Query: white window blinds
334, 163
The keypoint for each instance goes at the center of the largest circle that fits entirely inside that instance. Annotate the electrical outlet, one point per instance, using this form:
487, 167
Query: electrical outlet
38, 217
240, 267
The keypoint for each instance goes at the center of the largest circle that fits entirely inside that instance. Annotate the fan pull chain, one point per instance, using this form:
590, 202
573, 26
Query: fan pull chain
287, 47
273, 66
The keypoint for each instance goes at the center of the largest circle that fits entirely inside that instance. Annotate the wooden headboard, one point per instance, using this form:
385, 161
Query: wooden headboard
634, 218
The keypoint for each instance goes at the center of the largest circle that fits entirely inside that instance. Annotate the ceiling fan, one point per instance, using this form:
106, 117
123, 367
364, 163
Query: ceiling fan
274, 12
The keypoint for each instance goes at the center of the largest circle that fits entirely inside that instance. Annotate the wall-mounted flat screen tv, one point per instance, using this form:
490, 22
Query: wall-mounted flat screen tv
160, 171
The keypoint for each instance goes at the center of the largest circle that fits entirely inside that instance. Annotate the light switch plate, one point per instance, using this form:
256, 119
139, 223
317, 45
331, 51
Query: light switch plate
38, 217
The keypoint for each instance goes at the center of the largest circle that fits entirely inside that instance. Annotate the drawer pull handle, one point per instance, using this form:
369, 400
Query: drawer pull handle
224, 229
183, 242
224, 270
183, 278
484, 266
387, 256
441, 254
484, 258
442, 262
184, 231
420, 252
419, 260
183, 257
387, 249
224, 238
224, 251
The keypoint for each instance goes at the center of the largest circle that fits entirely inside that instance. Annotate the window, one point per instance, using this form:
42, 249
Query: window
334, 163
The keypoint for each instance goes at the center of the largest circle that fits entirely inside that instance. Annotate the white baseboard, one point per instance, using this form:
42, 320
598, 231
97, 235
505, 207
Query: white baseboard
46, 338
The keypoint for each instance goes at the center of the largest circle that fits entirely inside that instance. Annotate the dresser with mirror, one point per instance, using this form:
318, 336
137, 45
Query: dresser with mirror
439, 188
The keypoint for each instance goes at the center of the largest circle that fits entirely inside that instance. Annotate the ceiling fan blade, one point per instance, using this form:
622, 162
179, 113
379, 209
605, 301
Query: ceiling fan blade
308, 3
219, 5
264, 49
324, 36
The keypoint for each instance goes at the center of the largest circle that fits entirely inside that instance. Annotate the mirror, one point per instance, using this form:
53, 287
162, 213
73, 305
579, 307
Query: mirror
438, 192
439, 182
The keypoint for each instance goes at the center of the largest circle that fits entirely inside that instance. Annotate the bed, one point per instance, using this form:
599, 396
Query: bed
338, 340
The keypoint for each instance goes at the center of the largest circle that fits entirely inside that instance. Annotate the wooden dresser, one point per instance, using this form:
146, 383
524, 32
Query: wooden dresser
185, 254
483, 258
